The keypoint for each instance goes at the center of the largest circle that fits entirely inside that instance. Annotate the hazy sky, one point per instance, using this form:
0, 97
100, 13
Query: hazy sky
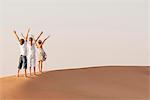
84, 32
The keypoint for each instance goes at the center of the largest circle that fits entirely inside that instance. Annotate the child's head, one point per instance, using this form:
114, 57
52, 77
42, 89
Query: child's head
30, 39
21, 41
40, 42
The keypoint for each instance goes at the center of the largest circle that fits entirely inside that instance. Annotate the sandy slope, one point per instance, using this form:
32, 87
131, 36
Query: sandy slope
105, 83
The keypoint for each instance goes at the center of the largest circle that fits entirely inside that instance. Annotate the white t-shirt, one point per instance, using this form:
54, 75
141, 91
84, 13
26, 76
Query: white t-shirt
23, 49
31, 49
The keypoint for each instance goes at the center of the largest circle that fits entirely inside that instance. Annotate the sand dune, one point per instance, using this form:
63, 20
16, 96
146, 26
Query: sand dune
100, 83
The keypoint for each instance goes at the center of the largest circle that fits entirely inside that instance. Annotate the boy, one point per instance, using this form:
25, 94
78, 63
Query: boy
23, 53
32, 52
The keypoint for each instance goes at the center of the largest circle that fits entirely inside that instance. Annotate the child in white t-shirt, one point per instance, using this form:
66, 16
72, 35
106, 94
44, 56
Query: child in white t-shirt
32, 53
23, 53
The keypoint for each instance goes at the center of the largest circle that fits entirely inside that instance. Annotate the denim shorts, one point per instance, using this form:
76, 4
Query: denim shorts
22, 62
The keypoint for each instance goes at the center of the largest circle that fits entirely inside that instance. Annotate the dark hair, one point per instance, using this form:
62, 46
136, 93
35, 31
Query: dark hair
40, 42
30, 39
21, 41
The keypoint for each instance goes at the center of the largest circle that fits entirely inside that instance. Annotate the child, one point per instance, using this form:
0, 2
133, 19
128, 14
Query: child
41, 53
32, 53
23, 53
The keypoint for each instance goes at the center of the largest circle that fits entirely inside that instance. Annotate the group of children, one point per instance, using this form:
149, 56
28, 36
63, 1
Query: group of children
28, 52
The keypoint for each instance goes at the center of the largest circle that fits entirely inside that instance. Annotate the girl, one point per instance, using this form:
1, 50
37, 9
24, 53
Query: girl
41, 53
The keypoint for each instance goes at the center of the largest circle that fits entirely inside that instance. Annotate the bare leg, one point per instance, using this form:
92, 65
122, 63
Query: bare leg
34, 71
18, 72
30, 71
25, 72
41, 66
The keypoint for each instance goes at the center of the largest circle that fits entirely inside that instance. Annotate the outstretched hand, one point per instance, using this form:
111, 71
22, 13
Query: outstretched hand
48, 37
16, 35
29, 30
41, 32
14, 31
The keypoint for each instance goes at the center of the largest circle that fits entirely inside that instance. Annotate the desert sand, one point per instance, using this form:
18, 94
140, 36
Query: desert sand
98, 83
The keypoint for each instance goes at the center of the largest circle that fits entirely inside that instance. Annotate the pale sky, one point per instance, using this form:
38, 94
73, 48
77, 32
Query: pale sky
84, 32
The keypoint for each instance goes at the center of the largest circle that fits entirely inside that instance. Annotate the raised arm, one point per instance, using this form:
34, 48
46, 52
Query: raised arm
45, 40
16, 35
38, 37
26, 38
22, 35
35, 41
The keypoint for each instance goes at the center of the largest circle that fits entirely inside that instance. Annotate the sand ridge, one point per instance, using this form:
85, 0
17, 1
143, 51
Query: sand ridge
99, 83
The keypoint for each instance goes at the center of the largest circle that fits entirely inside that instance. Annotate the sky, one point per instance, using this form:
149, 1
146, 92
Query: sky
83, 32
